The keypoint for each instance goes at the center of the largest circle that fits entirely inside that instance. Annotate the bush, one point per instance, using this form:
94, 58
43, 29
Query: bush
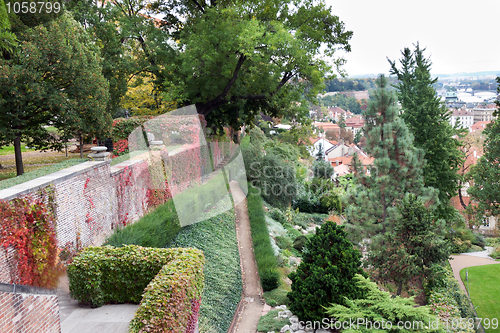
172, 299
326, 273
216, 237
277, 296
283, 242
300, 242
100, 275
122, 127
330, 202
446, 299
278, 215
264, 254
322, 169
271, 171
271, 323
156, 229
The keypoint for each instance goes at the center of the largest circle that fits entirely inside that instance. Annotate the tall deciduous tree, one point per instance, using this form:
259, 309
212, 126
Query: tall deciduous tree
236, 59
428, 120
54, 78
396, 170
485, 189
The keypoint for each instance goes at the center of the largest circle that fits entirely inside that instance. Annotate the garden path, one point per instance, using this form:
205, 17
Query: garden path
251, 304
469, 260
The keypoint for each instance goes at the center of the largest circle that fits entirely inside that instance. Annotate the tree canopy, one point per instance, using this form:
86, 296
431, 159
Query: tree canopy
485, 175
54, 78
396, 170
428, 120
232, 59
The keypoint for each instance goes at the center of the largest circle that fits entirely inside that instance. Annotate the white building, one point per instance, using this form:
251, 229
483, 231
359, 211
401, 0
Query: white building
463, 118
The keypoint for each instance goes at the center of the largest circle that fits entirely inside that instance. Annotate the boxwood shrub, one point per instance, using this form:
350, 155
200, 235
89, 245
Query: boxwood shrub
264, 255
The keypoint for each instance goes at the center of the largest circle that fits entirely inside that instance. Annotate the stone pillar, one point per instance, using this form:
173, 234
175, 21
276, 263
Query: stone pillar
99, 154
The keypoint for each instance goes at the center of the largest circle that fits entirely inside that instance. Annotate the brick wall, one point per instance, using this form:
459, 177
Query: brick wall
90, 200
28, 309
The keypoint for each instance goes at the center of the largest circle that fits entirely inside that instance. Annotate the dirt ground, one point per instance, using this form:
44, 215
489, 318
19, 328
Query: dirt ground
251, 304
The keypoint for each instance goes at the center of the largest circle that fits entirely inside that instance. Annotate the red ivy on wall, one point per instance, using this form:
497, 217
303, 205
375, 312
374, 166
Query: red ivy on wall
28, 226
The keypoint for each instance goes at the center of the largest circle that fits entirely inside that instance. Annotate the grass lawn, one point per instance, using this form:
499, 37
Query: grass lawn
484, 288
8, 150
35, 167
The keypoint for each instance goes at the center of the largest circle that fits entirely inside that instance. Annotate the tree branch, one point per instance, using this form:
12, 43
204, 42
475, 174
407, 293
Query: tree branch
197, 4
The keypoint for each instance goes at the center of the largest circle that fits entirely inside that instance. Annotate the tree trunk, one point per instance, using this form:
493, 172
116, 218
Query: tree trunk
18, 155
81, 146
400, 288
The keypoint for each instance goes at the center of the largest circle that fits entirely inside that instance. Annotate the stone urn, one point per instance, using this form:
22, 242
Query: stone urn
99, 154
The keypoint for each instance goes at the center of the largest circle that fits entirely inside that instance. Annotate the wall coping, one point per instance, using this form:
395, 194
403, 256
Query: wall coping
44, 181
22, 289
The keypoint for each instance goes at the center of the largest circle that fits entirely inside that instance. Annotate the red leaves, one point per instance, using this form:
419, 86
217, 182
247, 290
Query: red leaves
28, 227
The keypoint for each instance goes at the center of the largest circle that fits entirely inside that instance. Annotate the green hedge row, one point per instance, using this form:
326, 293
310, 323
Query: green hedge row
216, 237
172, 296
266, 261
448, 301
99, 275
156, 229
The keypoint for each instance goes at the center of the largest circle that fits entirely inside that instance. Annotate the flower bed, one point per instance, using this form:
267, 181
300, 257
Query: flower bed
171, 280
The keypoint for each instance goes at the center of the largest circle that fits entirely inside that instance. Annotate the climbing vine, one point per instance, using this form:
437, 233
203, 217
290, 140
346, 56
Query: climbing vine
27, 225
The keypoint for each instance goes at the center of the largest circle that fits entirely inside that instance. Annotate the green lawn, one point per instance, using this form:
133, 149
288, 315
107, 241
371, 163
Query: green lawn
484, 289
8, 150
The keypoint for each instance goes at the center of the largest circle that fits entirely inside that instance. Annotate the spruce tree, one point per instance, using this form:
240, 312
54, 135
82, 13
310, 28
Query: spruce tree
326, 273
428, 120
396, 170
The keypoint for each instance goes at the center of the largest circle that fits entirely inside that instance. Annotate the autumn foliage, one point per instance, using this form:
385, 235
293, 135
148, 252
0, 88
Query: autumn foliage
27, 225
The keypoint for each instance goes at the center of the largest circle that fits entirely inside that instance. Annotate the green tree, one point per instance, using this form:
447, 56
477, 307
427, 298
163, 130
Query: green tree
54, 77
379, 306
428, 120
236, 59
7, 39
396, 170
485, 175
322, 169
412, 247
117, 29
326, 273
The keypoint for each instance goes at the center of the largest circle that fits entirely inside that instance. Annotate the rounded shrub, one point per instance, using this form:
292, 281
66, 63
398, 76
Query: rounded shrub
300, 242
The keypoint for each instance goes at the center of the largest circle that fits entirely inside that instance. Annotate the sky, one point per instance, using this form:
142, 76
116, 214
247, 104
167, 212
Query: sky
459, 36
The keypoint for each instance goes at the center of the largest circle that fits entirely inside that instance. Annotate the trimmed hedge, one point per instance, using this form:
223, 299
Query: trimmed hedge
99, 275
171, 300
264, 254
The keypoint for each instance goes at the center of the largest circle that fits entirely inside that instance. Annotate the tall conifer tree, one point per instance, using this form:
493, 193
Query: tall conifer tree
396, 170
428, 120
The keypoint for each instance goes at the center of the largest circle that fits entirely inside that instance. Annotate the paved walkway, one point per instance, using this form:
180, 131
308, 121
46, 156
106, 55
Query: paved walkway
469, 260
77, 318
251, 306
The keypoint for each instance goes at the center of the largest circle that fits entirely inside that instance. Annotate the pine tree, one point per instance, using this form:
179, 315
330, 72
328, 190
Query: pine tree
428, 120
412, 247
396, 170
